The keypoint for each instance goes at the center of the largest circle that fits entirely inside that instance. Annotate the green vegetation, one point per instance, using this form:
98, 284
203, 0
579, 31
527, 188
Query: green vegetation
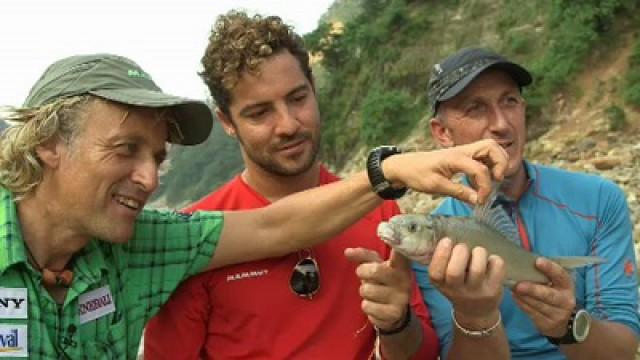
362, 77
384, 113
371, 84
389, 48
616, 117
632, 83
194, 171
342, 10
574, 28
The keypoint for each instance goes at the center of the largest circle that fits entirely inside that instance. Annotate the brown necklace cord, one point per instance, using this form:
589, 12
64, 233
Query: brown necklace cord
51, 278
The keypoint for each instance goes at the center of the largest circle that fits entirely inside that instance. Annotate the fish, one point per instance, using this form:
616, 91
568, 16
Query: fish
490, 227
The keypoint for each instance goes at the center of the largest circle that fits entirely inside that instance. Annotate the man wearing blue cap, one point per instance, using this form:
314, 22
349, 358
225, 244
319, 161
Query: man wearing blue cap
476, 94
83, 266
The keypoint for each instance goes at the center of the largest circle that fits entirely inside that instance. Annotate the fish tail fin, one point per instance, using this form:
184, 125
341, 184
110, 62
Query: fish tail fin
574, 262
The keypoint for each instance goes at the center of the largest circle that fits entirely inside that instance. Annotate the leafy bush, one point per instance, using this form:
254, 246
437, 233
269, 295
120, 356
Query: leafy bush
575, 27
317, 39
395, 16
519, 43
616, 117
632, 93
632, 84
384, 114
416, 26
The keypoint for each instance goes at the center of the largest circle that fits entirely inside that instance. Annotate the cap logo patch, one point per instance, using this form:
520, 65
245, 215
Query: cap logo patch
138, 74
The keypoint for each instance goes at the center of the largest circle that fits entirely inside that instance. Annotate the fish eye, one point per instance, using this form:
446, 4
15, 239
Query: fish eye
413, 227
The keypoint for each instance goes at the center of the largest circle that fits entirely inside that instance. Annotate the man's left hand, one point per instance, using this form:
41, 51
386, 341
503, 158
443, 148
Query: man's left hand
385, 286
548, 305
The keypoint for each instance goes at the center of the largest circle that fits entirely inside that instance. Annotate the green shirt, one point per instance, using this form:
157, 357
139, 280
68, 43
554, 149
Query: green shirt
134, 280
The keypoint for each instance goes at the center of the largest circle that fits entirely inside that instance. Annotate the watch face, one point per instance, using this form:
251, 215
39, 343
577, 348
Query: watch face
581, 325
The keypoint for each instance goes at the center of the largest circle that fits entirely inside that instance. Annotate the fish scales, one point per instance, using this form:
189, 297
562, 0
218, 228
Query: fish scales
519, 263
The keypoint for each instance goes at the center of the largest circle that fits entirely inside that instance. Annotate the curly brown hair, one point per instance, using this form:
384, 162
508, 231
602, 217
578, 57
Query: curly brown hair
241, 43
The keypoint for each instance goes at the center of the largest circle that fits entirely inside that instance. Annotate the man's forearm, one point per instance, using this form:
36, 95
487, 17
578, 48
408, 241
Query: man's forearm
295, 222
606, 340
307, 218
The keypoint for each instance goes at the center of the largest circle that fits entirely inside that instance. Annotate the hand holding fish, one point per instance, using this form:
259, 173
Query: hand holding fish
385, 286
480, 161
548, 305
471, 279
480, 253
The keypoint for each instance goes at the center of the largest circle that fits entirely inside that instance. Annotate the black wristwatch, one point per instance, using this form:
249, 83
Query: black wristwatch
380, 184
577, 328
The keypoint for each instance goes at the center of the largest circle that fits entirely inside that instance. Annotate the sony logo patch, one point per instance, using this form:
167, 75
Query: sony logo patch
13, 303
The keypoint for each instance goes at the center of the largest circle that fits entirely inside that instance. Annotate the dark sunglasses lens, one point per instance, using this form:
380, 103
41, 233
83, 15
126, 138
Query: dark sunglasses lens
305, 280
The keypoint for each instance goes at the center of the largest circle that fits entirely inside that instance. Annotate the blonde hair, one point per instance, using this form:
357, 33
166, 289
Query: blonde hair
61, 120
240, 43
20, 168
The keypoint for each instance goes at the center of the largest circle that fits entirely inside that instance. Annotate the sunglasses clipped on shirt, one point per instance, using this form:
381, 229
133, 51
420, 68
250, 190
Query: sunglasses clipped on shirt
305, 279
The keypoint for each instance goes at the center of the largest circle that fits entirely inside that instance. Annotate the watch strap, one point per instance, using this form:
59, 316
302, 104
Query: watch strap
379, 182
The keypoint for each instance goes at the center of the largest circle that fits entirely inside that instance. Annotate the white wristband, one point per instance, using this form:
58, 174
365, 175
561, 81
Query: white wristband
476, 333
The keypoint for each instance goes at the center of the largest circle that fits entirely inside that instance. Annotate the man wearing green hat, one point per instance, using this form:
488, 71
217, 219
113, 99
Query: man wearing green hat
83, 266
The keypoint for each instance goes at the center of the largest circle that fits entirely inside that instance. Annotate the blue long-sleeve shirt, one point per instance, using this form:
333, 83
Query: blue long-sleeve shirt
563, 214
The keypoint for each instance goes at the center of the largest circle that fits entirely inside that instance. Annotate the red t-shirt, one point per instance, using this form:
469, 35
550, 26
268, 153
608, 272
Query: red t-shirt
249, 311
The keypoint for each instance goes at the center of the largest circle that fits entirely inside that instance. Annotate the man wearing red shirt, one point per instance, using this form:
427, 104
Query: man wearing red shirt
312, 304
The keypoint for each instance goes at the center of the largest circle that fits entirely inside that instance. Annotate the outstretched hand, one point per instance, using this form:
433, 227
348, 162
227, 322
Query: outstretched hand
482, 162
385, 286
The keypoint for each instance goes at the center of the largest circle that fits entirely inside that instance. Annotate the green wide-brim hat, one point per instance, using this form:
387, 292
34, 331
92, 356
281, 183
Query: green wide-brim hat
121, 80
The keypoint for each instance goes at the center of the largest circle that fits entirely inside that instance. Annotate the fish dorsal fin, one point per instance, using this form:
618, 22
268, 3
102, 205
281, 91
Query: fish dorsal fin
494, 215
480, 211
